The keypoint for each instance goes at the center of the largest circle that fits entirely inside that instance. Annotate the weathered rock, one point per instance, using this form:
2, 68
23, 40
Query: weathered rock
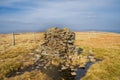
57, 49
73, 73
58, 41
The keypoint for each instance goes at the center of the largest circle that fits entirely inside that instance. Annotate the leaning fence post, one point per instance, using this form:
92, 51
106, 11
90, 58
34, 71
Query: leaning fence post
34, 36
13, 39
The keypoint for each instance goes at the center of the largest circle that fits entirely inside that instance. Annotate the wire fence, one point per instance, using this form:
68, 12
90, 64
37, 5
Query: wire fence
13, 39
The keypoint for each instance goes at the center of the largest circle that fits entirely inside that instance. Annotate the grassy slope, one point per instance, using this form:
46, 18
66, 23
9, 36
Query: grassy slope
13, 58
104, 46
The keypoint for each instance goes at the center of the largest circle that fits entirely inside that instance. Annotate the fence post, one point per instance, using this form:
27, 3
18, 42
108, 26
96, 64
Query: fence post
13, 39
34, 36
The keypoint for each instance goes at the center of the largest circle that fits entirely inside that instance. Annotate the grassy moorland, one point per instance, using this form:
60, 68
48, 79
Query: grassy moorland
102, 45
105, 46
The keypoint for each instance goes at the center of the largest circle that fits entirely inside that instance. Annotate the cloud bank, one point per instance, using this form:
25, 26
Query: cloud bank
37, 15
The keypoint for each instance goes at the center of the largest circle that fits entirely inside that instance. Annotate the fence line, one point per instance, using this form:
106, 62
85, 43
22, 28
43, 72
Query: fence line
14, 39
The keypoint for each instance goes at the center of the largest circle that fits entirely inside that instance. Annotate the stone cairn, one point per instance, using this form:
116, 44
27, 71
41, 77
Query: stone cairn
57, 56
59, 42
57, 49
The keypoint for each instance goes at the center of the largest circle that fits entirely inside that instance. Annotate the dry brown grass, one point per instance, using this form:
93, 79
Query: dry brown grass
13, 58
21, 38
98, 39
103, 45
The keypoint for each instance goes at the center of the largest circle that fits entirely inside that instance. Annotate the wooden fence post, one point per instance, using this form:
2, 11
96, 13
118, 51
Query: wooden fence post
34, 36
13, 39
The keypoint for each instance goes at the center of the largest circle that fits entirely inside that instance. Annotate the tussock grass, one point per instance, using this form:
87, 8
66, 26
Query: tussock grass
33, 75
105, 46
13, 58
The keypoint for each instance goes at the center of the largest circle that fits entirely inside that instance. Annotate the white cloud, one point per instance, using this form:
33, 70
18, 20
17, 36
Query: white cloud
38, 12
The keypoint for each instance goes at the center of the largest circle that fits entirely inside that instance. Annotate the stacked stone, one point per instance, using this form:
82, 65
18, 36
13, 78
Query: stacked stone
58, 45
59, 41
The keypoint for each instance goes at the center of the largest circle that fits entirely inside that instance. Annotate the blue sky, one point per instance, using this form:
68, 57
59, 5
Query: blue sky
78, 15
